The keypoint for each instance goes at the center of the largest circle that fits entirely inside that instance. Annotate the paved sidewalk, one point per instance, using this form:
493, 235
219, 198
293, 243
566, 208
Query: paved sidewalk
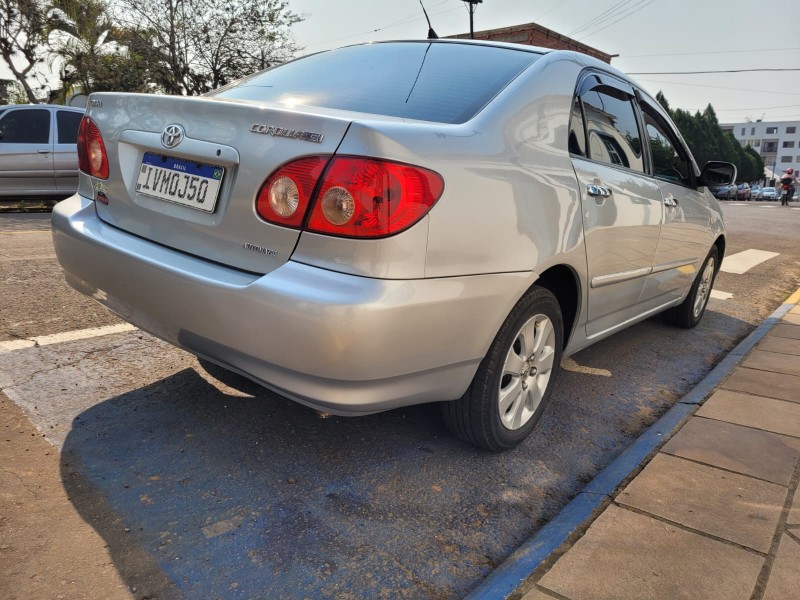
716, 513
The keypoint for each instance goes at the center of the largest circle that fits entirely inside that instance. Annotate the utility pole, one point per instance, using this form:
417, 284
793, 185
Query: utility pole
472, 5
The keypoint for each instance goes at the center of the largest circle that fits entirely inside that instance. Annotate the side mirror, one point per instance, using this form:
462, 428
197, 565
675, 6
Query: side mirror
716, 172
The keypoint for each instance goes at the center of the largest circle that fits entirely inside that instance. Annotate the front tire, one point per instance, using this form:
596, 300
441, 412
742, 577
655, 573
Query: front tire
515, 379
689, 312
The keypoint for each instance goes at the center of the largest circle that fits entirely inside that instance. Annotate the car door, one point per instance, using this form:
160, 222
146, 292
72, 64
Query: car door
622, 205
26, 152
65, 149
685, 235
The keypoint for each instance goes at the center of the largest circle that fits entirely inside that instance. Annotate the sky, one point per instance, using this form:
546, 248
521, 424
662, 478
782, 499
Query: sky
650, 36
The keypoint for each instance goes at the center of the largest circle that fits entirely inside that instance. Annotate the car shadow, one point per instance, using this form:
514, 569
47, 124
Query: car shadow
201, 492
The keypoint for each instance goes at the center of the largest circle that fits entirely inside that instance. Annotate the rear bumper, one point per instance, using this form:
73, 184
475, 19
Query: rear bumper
337, 342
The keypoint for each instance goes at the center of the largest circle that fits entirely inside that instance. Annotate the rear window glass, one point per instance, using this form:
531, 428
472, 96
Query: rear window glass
447, 83
68, 123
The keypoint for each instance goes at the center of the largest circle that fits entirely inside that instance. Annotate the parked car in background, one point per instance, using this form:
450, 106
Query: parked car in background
769, 193
38, 152
724, 192
756, 193
743, 191
396, 223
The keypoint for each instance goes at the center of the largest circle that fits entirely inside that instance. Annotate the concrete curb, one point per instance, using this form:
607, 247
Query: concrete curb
506, 578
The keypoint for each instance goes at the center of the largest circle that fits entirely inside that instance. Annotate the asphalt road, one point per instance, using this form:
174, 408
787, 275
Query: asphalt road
239, 493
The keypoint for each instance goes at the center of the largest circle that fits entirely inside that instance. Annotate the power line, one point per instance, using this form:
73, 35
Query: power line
790, 117
750, 108
558, 4
634, 9
403, 21
603, 16
718, 87
711, 72
704, 53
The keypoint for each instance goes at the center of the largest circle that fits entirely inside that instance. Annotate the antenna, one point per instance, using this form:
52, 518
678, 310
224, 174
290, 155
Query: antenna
431, 33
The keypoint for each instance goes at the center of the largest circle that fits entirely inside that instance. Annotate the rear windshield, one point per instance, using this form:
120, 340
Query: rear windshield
442, 82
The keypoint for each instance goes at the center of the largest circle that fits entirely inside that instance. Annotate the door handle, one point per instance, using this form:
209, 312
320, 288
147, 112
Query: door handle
598, 191
44, 151
670, 201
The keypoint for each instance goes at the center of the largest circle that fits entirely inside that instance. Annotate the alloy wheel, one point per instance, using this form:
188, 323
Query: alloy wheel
526, 372
704, 287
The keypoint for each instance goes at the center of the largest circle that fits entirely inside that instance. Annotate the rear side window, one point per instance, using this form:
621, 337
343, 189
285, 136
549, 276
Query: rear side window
442, 82
25, 126
612, 131
68, 122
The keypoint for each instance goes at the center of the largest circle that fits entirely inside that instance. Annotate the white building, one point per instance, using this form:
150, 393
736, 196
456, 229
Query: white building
778, 143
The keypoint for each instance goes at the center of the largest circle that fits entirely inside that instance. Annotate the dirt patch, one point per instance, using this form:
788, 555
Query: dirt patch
46, 549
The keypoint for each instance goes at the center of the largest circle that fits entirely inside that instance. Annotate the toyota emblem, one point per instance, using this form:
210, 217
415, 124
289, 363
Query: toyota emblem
172, 136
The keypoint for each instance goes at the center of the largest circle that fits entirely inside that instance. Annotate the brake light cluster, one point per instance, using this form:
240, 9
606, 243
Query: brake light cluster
92, 157
348, 196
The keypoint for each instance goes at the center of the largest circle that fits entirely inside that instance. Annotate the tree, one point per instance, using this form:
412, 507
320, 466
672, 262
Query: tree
96, 55
235, 39
11, 92
203, 44
23, 33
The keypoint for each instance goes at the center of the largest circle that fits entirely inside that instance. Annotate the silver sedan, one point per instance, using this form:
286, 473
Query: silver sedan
396, 223
38, 152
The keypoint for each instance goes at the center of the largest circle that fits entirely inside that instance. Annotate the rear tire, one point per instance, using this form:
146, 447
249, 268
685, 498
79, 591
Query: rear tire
515, 379
689, 312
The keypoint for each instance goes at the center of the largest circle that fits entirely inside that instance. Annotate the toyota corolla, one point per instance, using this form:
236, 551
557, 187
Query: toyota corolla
396, 223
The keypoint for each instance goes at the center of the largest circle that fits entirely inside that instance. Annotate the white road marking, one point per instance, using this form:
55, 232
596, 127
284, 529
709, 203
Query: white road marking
744, 261
568, 364
721, 295
55, 384
67, 336
12, 345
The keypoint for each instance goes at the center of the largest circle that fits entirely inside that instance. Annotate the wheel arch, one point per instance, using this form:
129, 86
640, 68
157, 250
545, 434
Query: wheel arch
720, 244
562, 281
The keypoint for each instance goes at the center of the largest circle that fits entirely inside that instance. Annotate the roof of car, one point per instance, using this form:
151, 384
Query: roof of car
42, 105
509, 45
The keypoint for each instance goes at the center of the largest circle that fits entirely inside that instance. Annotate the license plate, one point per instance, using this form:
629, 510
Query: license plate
185, 182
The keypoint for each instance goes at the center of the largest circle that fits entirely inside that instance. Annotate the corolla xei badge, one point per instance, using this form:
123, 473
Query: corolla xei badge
172, 136
295, 134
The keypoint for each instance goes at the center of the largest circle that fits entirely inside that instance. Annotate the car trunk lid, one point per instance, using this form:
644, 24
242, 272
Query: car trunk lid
185, 172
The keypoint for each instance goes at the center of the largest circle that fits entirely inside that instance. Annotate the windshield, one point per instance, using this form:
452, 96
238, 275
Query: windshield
443, 82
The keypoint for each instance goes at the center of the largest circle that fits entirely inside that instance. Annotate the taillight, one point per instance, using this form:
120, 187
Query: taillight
92, 157
369, 198
285, 195
358, 197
